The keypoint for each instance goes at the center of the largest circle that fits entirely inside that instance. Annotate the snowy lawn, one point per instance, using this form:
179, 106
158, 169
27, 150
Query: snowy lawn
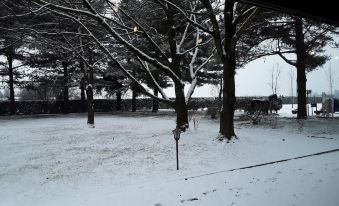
126, 160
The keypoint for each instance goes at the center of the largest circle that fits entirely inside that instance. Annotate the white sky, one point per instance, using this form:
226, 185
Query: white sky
254, 79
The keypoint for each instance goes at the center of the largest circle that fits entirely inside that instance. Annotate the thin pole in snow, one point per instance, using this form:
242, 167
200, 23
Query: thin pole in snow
177, 148
176, 133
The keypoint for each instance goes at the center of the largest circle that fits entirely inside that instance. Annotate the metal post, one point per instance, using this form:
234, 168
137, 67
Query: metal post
177, 148
176, 134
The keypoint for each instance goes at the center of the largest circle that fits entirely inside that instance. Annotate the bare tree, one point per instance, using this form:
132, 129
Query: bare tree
292, 80
275, 74
330, 77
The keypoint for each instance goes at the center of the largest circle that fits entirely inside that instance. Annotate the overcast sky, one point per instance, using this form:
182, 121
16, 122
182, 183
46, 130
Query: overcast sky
255, 78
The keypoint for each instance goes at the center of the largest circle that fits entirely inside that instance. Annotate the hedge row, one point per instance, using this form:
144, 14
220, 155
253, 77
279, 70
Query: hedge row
71, 106
102, 105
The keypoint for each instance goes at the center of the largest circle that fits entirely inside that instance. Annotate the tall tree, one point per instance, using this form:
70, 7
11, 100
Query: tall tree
300, 43
175, 44
228, 25
11, 42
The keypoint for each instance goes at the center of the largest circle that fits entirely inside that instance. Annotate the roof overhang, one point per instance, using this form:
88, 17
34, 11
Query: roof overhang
315, 10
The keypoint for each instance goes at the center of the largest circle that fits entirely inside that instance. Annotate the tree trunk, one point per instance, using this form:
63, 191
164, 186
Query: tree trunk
82, 93
181, 107
227, 111
134, 100
155, 106
301, 68
180, 101
90, 105
228, 104
11, 81
90, 101
118, 105
89, 91
220, 94
66, 94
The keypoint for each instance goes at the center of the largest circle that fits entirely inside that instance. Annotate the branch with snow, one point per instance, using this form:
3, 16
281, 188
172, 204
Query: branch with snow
95, 16
125, 71
143, 31
86, 18
146, 67
253, 13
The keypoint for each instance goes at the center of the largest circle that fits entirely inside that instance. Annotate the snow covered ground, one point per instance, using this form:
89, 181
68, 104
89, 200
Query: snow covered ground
286, 111
130, 160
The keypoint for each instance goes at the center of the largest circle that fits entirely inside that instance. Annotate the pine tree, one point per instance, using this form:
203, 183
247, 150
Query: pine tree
173, 38
11, 43
300, 43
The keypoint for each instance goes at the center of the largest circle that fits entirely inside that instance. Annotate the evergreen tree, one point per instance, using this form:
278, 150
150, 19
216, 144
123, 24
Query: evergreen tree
300, 43
175, 39
228, 27
11, 46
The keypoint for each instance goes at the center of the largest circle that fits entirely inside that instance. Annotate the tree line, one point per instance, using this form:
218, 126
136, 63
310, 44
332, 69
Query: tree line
149, 45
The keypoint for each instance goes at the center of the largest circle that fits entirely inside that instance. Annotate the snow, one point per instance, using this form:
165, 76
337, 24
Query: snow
129, 159
286, 110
